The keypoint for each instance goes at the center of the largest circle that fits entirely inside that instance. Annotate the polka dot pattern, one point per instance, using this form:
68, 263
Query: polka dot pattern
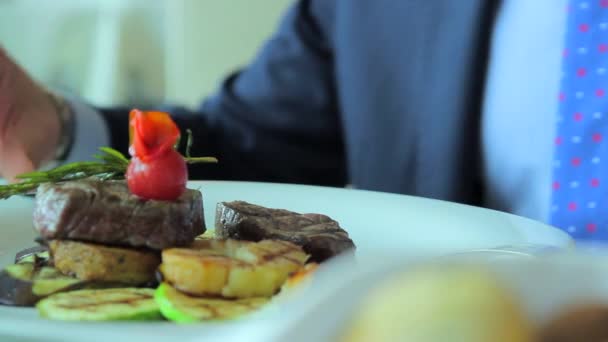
579, 190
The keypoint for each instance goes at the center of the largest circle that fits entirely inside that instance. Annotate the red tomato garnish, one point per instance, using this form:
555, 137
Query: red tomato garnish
163, 178
156, 171
151, 133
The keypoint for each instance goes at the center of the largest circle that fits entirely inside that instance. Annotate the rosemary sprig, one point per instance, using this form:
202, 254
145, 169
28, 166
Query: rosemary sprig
195, 160
109, 164
189, 142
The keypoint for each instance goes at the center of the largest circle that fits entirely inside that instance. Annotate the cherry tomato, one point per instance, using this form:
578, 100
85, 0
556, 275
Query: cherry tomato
162, 178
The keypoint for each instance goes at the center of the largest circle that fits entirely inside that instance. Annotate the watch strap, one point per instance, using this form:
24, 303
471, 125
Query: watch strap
67, 127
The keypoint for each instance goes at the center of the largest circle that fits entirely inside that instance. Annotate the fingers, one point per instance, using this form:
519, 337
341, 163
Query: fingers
29, 124
8, 93
15, 161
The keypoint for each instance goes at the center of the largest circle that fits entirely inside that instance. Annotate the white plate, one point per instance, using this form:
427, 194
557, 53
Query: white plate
379, 223
545, 286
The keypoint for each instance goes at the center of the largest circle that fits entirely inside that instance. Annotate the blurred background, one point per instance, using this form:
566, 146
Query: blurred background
142, 52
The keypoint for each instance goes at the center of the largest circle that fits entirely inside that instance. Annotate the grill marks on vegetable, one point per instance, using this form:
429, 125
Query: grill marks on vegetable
179, 307
98, 305
217, 306
283, 253
231, 268
92, 303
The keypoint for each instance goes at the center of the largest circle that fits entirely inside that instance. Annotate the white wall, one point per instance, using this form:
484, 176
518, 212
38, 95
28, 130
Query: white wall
209, 38
133, 51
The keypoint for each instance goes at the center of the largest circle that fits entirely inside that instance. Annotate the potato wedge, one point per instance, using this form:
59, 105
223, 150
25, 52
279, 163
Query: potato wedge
231, 268
90, 262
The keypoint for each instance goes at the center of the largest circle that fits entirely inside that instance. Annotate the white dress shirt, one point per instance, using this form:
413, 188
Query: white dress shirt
91, 131
518, 113
521, 105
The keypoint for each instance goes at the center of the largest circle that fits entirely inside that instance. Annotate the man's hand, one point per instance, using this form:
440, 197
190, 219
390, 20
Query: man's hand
29, 123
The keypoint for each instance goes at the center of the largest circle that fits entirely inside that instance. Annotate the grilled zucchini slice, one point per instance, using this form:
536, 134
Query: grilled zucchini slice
23, 284
181, 308
21, 271
48, 281
101, 305
231, 268
36, 254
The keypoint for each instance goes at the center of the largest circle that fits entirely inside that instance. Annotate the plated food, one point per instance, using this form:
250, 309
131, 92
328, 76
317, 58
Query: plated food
114, 249
200, 279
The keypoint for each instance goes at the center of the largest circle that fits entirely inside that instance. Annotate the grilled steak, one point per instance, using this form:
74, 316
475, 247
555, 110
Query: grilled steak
107, 213
320, 236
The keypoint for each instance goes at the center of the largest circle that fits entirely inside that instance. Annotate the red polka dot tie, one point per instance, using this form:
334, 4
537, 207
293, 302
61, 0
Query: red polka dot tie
580, 166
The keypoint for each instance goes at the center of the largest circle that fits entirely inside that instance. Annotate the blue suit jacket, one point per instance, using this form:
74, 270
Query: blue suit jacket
381, 94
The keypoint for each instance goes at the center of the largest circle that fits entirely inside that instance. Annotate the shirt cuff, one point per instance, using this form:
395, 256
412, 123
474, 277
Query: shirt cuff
90, 131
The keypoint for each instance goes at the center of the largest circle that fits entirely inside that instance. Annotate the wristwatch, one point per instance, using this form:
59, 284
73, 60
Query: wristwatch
66, 126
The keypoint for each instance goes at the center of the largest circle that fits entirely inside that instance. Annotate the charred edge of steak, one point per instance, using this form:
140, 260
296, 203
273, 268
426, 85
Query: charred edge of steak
320, 236
107, 213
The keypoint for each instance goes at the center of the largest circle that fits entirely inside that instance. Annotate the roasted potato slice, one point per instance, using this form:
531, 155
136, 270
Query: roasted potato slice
232, 268
90, 262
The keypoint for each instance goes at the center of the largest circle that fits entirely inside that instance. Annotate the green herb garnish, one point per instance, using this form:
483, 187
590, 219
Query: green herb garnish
110, 164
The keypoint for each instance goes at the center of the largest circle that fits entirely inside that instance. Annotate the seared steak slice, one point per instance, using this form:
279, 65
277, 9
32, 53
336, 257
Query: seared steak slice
107, 213
320, 236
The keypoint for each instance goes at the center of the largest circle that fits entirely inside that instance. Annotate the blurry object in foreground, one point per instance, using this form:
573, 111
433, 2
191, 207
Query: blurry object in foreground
437, 304
297, 282
301, 277
583, 323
